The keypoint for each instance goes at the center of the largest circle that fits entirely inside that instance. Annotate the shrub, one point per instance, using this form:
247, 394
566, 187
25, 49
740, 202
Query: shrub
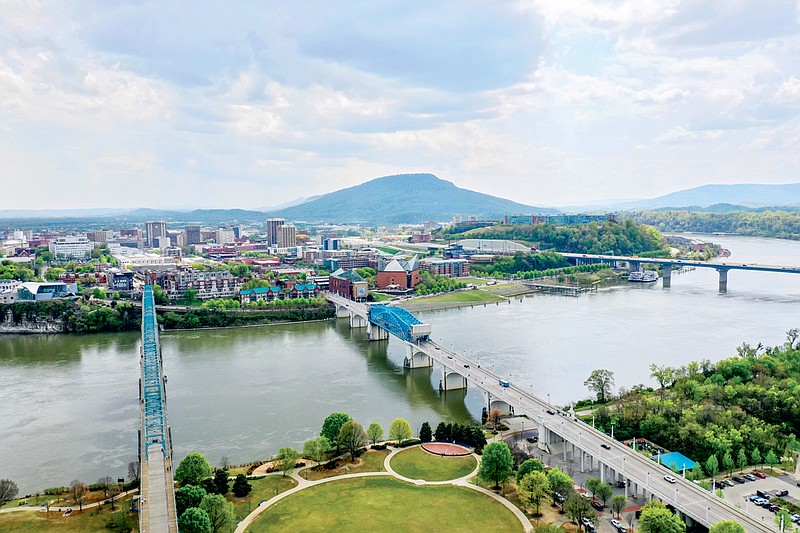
409, 442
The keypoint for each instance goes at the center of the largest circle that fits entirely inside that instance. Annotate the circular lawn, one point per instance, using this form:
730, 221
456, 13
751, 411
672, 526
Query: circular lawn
385, 504
416, 463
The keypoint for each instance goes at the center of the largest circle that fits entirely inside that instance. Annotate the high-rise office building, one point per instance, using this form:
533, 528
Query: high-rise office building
155, 229
274, 230
287, 237
193, 235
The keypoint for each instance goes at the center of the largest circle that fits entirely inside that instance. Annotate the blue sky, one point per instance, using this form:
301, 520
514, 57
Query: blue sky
252, 104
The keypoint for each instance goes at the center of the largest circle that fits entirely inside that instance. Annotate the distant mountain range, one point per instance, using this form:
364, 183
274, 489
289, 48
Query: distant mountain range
404, 198
747, 195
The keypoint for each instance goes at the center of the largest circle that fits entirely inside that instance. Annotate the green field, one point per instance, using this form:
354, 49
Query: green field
263, 489
93, 520
463, 296
380, 297
416, 463
386, 504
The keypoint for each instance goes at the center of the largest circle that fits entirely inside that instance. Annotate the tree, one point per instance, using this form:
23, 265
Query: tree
726, 526
221, 482
193, 469
601, 381
425, 432
755, 457
530, 465
352, 437
105, 483
374, 432
783, 519
496, 463
159, 296
8, 491
190, 295
656, 518
188, 496
194, 520
400, 430
741, 459
241, 487
121, 521
560, 482
220, 512
665, 375
98, 293
618, 502
331, 426
771, 459
712, 465
727, 462
577, 508
224, 462
316, 449
441, 434
78, 490
603, 492
532, 489
697, 471
288, 459
494, 417
133, 470
592, 483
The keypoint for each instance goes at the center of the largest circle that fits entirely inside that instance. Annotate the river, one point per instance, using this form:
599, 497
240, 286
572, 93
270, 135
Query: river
69, 403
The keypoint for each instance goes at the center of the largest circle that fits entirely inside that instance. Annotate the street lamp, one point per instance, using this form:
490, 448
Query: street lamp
548, 399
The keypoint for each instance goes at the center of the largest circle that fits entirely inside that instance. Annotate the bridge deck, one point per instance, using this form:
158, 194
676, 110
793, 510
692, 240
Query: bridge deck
157, 504
753, 267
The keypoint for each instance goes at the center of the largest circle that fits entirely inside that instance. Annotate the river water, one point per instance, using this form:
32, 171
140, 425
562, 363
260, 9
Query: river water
69, 404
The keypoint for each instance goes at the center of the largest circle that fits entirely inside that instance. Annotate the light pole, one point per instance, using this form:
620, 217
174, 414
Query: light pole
548, 399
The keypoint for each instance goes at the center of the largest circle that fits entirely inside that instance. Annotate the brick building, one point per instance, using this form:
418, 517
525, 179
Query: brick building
348, 283
403, 274
451, 268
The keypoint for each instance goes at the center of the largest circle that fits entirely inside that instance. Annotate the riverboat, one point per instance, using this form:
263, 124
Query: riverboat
643, 276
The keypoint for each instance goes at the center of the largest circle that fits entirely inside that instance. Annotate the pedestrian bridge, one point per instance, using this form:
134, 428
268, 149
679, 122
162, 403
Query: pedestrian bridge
157, 512
635, 263
578, 441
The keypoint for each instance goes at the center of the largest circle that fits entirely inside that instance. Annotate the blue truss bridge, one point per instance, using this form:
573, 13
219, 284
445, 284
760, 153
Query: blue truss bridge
157, 502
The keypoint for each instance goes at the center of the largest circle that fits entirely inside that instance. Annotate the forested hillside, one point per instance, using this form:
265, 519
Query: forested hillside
748, 402
779, 224
622, 238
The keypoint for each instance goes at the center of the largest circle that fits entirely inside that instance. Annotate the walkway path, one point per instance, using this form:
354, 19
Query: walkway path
62, 508
463, 481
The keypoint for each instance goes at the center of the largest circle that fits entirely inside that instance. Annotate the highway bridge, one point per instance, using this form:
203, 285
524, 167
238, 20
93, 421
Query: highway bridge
557, 430
157, 513
667, 263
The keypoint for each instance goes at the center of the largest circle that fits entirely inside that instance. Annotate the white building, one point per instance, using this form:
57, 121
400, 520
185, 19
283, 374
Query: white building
77, 246
224, 236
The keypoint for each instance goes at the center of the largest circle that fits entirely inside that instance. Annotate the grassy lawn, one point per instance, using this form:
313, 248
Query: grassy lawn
380, 297
371, 461
385, 504
263, 489
463, 296
416, 463
93, 520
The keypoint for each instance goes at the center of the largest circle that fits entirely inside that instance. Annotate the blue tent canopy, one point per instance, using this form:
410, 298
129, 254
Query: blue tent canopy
676, 459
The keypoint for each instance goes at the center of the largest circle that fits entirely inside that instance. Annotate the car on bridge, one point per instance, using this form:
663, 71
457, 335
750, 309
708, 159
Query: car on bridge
670, 479
504, 383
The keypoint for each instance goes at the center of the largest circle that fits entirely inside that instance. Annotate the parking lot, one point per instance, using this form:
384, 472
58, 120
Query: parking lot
740, 494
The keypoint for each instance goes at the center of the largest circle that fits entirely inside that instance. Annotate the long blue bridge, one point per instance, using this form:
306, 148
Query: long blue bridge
559, 432
635, 263
157, 492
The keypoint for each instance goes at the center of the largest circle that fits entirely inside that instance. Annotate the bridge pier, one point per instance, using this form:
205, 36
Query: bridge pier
342, 312
416, 359
452, 381
377, 333
358, 321
723, 279
666, 275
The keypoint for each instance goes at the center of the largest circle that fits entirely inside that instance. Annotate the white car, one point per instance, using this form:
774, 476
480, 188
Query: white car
671, 479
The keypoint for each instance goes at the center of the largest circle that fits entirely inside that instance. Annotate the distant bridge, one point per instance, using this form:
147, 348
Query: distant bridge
157, 512
558, 432
635, 263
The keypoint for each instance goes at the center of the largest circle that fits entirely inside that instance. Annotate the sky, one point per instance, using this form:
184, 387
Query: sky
253, 104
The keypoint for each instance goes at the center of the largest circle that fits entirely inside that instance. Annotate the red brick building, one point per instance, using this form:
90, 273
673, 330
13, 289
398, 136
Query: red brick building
403, 274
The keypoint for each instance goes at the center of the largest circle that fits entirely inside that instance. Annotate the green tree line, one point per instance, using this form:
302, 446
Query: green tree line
778, 224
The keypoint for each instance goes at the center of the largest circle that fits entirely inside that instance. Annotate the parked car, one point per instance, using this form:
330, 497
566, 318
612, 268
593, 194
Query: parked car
782, 492
726, 483
597, 504
774, 508
761, 502
738, 479
751, 477
763, 494
762, 475
533, 439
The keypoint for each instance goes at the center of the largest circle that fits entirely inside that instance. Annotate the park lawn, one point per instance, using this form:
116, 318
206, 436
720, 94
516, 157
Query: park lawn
386, 504
380, 297
91, 520
371, 461
263, 489
474, 280
463, 296
416, 463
